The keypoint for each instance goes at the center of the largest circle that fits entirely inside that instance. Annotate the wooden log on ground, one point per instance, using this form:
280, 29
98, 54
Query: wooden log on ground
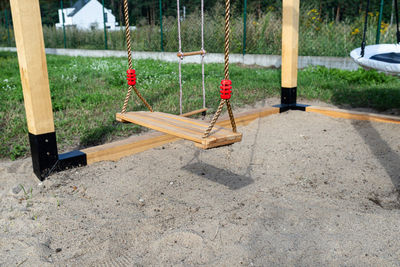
353, 115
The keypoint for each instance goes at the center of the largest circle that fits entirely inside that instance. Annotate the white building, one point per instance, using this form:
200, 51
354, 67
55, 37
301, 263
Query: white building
86, 15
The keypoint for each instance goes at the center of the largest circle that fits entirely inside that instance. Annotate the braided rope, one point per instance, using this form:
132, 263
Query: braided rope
230, 112
180, 86
215, 118
227, 31
226, 72
181, 57
127, 33
363, 43
128, 48
226, 69
202, 55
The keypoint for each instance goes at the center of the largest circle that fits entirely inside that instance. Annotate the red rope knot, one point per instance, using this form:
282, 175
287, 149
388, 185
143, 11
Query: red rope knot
131, 77
226, 89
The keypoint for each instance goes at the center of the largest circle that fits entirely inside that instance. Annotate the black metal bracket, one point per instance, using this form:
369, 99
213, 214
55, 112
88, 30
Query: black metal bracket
284, 108
45, 157
73, 159
44, 153
288, 100
288, 95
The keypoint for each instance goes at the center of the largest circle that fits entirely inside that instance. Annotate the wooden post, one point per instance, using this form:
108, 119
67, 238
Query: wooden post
32, 66
35, 84
290, 40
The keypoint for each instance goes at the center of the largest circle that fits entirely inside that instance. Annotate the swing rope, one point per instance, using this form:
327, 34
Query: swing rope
202, 54
181, 55
226, 83
363, 43
131, 72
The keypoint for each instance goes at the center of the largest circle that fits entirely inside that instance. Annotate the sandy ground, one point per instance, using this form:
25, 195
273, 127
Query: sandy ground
300, 189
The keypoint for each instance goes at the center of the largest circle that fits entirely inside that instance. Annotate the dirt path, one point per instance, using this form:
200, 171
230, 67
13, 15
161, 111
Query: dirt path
300, 189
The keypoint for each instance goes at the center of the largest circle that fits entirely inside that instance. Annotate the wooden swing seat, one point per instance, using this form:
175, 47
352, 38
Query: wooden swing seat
182, 127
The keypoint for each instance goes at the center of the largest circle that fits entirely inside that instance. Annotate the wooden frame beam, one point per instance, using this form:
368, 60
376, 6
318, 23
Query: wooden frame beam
353, 115
290, 45
32, 65
35, 85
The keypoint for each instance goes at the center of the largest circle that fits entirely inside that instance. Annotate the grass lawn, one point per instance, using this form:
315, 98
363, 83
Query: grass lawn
87, 92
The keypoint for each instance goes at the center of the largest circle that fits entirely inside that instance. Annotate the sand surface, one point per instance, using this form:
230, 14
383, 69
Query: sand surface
300, 189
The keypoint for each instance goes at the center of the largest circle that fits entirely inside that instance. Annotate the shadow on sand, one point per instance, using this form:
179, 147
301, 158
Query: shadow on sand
224, 177
388, 158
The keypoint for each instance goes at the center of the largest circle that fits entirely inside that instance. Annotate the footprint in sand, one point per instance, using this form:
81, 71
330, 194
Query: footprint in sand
182, 247
103, 251
20, 166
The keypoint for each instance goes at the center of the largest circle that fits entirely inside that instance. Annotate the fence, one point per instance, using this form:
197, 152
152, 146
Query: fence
250, 33
5, 31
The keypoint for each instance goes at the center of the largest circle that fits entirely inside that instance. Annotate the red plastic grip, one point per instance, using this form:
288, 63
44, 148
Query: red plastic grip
131, 77
226, 89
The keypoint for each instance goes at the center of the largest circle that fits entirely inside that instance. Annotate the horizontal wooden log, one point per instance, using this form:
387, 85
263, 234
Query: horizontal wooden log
354, 115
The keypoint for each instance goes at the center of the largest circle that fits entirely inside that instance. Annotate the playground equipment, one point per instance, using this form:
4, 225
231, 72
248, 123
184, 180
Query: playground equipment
197, 131
38, 108
181, 55
382, 57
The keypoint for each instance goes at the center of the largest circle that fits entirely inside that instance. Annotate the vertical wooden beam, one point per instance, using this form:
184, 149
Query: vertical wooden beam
32, 65
290, 40
35, 85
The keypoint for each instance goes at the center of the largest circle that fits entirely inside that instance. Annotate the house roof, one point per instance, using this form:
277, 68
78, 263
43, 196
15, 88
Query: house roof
78, 6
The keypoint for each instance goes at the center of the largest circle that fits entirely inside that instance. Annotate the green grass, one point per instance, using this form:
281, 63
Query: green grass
87, 92
361, 88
